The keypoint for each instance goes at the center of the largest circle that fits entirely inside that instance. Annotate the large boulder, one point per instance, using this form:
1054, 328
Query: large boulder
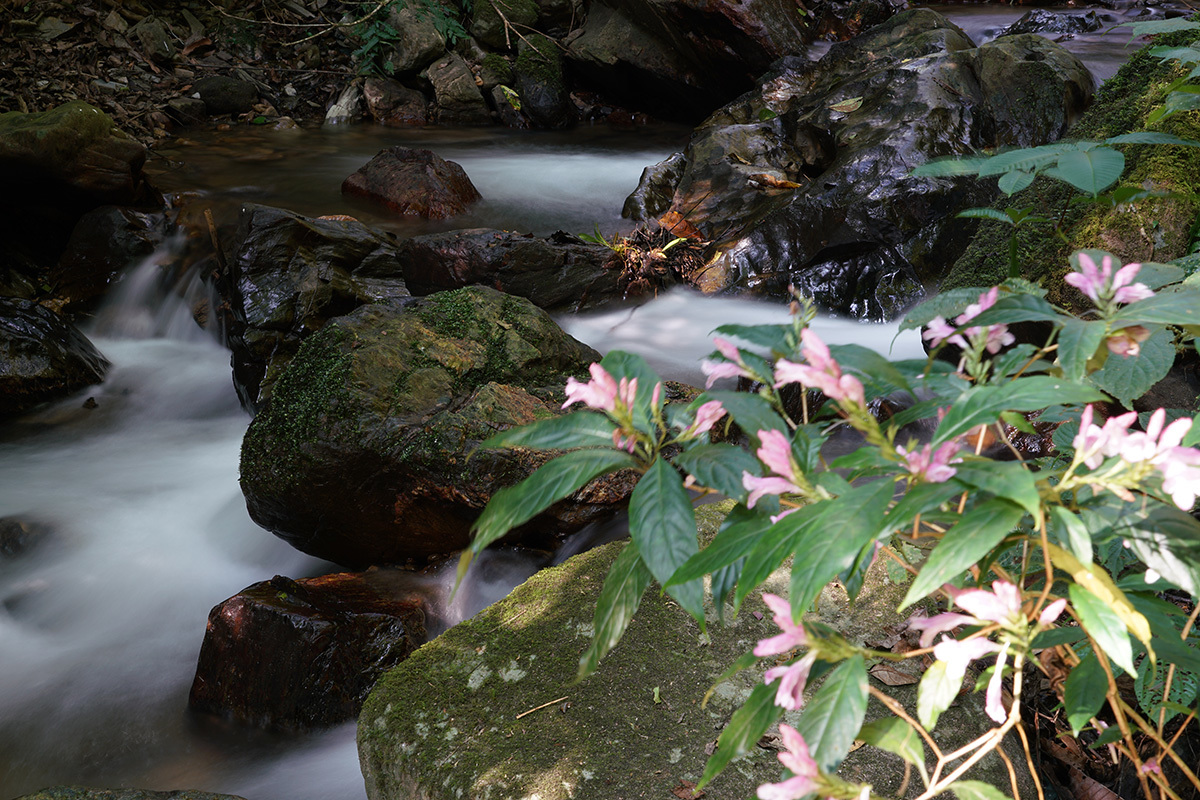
806, 181
393, 104
559, 273
364, 452
106, 241
287, 654
418, 42
459, 101
413, 182
539, 77
42, 357
681, 59
286, 275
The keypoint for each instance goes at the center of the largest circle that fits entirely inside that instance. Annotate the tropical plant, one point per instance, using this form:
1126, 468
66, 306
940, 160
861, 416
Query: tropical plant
1020, 547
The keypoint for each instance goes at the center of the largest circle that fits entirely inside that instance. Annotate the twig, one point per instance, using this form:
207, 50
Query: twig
216, 243
543, 705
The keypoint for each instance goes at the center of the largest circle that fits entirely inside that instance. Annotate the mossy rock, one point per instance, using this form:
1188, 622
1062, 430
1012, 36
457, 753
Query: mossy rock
488, 27
539, 77
364, 452
1156, 229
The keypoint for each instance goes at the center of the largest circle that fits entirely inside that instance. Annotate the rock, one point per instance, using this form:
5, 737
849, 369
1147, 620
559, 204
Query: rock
838, 20
806, 181
222, 95
418, 41
290, 655
508, 107
361, 454
106, 241
655, 189
42, 357
459, 101
187, 110
154, 40
682, 59
489, 28
286, 275
1039, 20
559, 273
19, 534
393, 104
539, 78
349, 107
413, 182
494, 69
83, 793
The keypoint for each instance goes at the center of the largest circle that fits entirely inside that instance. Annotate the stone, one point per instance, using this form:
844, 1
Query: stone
655, 189
285, 276
151, 34
223, 95
539, 78
292, 655
187, 110
364, 452
413, 182
393, 104
42, 357
508, 107
1040, 20
839, 20
19, 534
106, 241
459, 101
349, 106
488, 27
560, 273
418, 43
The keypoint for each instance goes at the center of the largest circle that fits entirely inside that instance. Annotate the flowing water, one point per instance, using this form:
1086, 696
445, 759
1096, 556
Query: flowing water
144, 525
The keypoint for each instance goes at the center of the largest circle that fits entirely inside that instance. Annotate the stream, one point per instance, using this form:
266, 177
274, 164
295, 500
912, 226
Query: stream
145, 529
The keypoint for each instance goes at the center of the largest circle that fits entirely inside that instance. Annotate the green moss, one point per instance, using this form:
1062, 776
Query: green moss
497, 68
58, 134
450, 313
540, 60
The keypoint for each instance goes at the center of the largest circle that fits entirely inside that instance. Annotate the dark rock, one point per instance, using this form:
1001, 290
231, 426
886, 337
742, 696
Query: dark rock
838, 20
290, 654
655, 189
42, 357
84, 793
539, 78
494, 69
560, 273
187, 110
106, 241
459, 101
286, 275
361, 454
394, 104
413, 182
681, 59
806, 181
418, 44
489, 28
507, 103
222, 95
151, 35
18, 535
1039, 20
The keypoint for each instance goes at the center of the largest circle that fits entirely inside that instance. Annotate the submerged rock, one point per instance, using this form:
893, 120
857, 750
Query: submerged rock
290, 654
42, 357
413, 182
364, 452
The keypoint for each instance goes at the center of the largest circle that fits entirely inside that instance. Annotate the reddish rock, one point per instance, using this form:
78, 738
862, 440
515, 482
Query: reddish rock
413, 182
289, 655
393, 104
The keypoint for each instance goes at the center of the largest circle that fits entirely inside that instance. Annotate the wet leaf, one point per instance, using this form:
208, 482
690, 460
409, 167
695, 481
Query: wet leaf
846, 106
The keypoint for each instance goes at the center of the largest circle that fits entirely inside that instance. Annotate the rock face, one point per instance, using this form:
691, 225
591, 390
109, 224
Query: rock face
42, 357
287, 654
285, 276
393, 104
413, 182
679, 58
459, 100
805, 181
106, 241
539, 77
560, 273
361, 454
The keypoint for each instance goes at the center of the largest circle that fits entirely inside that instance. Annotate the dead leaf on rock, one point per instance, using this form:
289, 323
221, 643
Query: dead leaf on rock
846, 106
686, 790
710, 748
890, 676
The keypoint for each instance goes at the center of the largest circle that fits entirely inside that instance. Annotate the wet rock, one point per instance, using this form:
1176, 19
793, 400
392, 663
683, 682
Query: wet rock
287, 654
151, 35
286, 275
559, 273
223, 95
508, 107
83, 793
655, 189
459, 101
539, 79
187, 110
490, 28
349, 106
106, 241
418, 41
42, 357
682, 59
838, 20
413, 182
19, 534
806, 180
361, 454
393, 104
1039, 20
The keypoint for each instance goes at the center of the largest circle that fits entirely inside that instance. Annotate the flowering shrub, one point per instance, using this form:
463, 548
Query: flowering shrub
1014, 545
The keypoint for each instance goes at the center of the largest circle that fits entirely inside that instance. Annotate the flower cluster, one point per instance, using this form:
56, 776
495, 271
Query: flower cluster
776, 452
929, 465
733, 367
604, 393
821, 372
1105, 288
990, 337
1159, 447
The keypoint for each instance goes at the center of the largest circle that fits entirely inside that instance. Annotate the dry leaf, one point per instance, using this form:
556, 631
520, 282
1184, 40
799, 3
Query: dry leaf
846, 106
770, 181
676, 224
890, 676
686, 790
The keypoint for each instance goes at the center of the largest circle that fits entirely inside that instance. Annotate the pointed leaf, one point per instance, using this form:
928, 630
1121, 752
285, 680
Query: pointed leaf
935, 694
965, 544
580, 429
1008, 479
1090, 171
948, 168
1180, 307
723, 582
774, 546
1025, 159
776, 338
745, 728
720, 467
878, 375
620, 596
835, 713
751, 412
1084, 693
1152, 137
846, 106
740, 531
1104, 626
1077, 343
663, 526
986, 213
896, 736
1012, 182
1073, 532
980, 405
976, 790
943, 304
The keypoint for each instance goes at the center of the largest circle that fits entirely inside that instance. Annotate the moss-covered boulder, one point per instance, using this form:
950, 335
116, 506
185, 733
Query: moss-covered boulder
363, 454
496, 23
1156, 229
539, 77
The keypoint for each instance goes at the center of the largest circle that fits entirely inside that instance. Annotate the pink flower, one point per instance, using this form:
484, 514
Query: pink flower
1099, 284
1159, 445
1127, 342
764, 486
821, 372
797, 760
599, 393
995, 337
730, 368
1001, 605
930, 465
939, 623
776, 452
958, 654
706, 416
794, 677
1052, 612
793, 635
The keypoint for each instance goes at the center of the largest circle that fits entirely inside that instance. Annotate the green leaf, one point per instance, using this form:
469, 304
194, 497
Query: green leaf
580, 429
1077, 343
1104, 626
948, 168
1090, 171
834, 715
751, 412
745, 728
896, 736
917, 500
976, 790
1084, 692
1053, 637
878, 375
774, 546
943, 304
1156, 275
980, 405
1025, 159
1181, 307
1152, 137
1012, 182
620, 596
740, 531
630, 365
1127, 378
516, 505
776, 338
1008, 479
723, 582
1168, 541
986, 213
1109, 735
663, 526
935, 693
1073, 532
964, 544
720, 467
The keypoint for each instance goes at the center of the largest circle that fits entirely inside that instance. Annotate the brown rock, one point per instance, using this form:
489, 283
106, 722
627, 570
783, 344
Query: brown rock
413, 182
393, 104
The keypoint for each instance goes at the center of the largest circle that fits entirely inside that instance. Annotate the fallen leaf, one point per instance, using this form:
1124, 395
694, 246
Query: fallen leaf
846, 106
686, 790
890, 676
